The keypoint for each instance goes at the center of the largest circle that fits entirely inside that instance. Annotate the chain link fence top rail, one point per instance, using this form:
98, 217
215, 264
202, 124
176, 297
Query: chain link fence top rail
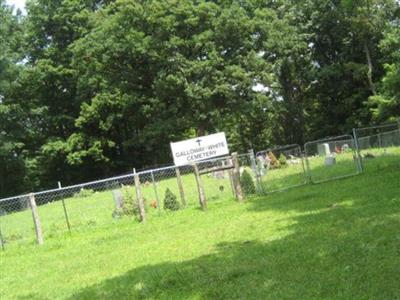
281, 168
331, 158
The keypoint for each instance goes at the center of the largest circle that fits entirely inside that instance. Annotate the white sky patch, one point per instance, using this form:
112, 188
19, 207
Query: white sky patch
260, 88
17, 4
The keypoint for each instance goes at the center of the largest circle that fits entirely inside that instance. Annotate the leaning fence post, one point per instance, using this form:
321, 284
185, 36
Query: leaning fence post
180, 186
36, 219
155, 191
236, 177
65, 209
200, 188
142, 212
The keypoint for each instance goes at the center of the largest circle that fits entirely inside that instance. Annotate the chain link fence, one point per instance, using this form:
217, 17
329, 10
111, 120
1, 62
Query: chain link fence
280, 168
375, 142
331, 158
114, 200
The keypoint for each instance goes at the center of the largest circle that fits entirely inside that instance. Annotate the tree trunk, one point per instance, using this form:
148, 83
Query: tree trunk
370, 69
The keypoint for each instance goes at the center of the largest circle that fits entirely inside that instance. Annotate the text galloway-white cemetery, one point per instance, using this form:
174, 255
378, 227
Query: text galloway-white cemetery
200, 148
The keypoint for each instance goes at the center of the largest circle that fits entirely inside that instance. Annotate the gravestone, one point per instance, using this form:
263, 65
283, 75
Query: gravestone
330, 160
323, 149
118, 199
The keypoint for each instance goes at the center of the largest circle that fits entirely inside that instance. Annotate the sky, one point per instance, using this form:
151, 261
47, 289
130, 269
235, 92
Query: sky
17, 4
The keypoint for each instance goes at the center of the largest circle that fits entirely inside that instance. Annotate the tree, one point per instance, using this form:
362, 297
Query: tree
14, 165
158, 71
386, 104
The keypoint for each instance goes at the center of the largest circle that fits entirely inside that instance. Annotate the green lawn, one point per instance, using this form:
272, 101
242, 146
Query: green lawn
336, 240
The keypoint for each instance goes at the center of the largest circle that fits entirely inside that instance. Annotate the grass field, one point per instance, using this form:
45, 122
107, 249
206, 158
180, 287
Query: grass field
336, 240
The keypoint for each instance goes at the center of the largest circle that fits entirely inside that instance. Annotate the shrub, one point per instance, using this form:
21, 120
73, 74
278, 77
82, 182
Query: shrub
83, 193
130, 207
247, 183
170, 201
282, 160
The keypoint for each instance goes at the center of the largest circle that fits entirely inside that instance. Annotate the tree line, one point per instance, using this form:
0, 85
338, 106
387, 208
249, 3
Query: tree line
92, 88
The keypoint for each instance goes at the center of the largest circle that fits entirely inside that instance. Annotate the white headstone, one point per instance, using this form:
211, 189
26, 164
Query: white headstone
323, 149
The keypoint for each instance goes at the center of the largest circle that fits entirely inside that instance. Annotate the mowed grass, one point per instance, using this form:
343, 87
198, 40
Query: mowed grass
336, 240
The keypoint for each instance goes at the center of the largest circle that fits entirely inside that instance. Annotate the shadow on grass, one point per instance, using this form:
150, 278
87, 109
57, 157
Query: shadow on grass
344, 246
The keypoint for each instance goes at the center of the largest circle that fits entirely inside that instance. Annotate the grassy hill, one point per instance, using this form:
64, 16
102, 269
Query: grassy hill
336, 240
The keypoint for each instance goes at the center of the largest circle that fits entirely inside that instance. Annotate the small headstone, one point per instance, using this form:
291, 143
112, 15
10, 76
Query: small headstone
118, 199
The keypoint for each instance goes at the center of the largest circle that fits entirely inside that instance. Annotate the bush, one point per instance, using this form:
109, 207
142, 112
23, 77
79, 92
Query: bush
282, 160
130, 207
170, 201
83, 193
247, 183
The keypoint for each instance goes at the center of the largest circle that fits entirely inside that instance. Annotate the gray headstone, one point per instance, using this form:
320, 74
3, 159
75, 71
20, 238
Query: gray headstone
118, 199
330, 160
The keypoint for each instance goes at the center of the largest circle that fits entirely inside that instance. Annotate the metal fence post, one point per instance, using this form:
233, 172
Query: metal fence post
155, 191
255, 171
358, 151
142, 212
236, 177
307, 167
65, 209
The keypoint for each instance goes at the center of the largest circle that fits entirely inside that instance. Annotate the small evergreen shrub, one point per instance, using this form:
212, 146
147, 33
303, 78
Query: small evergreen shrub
247, 183
170, 201
282, 160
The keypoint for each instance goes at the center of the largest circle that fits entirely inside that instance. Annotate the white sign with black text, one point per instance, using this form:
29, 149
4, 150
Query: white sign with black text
200, 148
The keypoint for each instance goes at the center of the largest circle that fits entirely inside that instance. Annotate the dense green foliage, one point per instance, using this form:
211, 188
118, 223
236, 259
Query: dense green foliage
92, 88
338, 240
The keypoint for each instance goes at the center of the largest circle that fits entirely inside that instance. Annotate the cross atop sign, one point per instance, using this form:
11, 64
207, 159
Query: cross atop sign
198, 141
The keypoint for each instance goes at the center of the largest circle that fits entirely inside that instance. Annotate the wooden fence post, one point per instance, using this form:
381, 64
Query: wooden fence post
200, 188
180, 186
236, 177
230, 174
36, 219
142, 211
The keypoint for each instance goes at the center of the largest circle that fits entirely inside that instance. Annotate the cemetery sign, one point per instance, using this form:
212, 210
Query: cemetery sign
200, 148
